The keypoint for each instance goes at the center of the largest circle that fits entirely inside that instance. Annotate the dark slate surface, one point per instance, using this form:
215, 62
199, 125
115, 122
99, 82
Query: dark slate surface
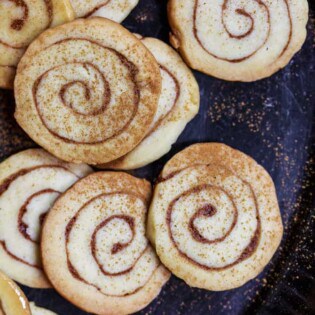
272, 120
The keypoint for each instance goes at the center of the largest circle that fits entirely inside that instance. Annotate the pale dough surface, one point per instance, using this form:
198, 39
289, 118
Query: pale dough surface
36, 310
116, 10
238, 40
20, 23
94, 247
30, 182
178, 104
87, 91
214, 218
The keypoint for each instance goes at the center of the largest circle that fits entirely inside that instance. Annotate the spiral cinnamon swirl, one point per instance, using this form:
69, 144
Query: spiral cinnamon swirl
12, 299
87, 91
94, 247
30, 182
116, 10
238, 40
214, 218
20, 22
178, 104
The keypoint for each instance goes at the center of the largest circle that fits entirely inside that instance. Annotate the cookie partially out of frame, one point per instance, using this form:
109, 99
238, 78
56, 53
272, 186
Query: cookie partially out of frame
94, 248
116, 10
36, 310
178, 104
12, 299
87, 91
22, 21
238, 40
30, 182
214, 218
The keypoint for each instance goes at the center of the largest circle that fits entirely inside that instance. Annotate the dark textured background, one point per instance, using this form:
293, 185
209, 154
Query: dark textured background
271, 120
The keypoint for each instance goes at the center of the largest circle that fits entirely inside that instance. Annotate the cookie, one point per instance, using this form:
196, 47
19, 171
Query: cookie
20, 22
116, 10
238, 40
178, 104
214, 218
94, 247
36, 310
87, 91
12, 299
30, 182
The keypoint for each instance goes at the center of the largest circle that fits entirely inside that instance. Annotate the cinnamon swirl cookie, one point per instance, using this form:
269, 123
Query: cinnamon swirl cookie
12, 299
214, 218
87, 91
94, 247
36, 310
238, 40
116, 10
30, 182
20, 22
178, 104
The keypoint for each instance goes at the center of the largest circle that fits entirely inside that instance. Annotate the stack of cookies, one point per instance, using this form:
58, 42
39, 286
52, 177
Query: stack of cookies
213, 221
91, 93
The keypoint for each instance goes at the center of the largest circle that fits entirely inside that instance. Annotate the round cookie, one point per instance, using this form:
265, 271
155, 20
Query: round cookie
116, 10
94, 248
238, 40
22, 21
12, 299
36, 310
30, 182
87, 91
214, 218
178, 104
